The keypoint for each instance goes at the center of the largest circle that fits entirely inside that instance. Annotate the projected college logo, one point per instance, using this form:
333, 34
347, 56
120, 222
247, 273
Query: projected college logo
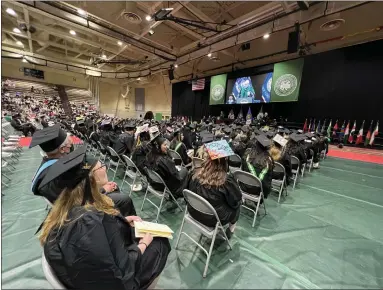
217, 92
285, 85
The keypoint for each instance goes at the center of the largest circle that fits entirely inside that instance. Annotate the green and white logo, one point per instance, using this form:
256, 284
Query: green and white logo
285, 85
217, 92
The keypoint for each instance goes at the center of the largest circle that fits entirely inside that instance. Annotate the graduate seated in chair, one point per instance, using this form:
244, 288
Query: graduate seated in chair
88, 243
218, 187
178, 146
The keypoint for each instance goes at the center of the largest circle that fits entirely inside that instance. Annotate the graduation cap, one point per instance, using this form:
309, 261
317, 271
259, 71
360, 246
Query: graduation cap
309, 135
227, 130
245, 128
280, 140
130, 125
270, 134
297, 138
49, 138
219, 149
257, 131
207, 137
263, 140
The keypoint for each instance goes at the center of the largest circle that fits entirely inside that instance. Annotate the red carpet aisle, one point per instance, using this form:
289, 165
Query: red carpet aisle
357, 154
25, 141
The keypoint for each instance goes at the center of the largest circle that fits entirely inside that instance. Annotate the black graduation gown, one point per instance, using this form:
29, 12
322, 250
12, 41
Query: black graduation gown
175, 180
139, 156
225, 199
182, 151
98, 251
124, 144
285, 160
298, 151
266, 181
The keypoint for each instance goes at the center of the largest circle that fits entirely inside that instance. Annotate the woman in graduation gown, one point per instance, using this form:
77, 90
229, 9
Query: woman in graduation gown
178, 146
89, 244
279, 154
219, 188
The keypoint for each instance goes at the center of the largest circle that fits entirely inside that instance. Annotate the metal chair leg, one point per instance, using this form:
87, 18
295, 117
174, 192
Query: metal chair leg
210, 252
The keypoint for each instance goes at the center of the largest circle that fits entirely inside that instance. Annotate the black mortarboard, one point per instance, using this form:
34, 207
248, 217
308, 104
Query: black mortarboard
257, 131
309, 135
263, 140
206, 138
49, 138
286, 131
297, 138
71, 169
130, 125
270, 134
227, 130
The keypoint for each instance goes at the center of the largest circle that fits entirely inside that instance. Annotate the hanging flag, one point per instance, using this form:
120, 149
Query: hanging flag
249, 117
359, 138
218, 89
368, 136
231, 115
347, 132
341, 134
198, 85
318, 127
240, 115
329, 129
374, 134
335, 129
305, 127
323, 129
351, 137
308, 129
313, 126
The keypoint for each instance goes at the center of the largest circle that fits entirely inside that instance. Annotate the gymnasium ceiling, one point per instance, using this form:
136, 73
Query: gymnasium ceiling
119, 30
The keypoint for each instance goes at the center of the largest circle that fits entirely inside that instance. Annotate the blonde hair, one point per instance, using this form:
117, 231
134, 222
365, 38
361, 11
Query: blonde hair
275, 153
68, 199
213, 173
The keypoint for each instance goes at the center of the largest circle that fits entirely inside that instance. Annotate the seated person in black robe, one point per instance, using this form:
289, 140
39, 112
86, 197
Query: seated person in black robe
296, 148
18, 125
56, 144
279, 154
125, 142
141, 150
219, 188
258, 162
159, 161
91, 245
178, 146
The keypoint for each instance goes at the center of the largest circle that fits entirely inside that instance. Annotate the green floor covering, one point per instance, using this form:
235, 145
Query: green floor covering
326, 234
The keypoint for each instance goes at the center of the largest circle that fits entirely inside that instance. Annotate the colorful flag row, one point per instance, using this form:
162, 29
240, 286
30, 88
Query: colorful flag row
344, 133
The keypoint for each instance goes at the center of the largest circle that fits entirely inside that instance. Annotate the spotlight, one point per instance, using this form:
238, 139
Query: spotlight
81, 12
103, 56
209, 54
266, 36
176, 65
19, 43
151, 32
119, 43
148, 17
16, 30
138, 79
11, 11
72, 32
24, 60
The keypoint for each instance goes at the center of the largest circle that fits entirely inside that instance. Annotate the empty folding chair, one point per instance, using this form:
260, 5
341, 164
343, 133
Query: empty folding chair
249, 180
103, 152
114, 161
50, 275
310, 162
131, 172
176, 158
295, 164
155, 177
201, 205
235, 163
279, 184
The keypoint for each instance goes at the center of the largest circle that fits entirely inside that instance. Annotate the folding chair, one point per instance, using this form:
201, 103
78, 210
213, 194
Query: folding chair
295, 163
103, 152
323, 154
49, 274
131, 172
176, 158
114, 160
4, 164
154, 176
200, 204
310, 162
249, 179
235, 159
277, 184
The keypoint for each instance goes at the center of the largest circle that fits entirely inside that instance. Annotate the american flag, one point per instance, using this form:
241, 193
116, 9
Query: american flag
198, 84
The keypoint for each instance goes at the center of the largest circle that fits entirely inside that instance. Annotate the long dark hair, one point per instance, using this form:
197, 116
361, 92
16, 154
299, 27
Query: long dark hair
149, 115
155, 152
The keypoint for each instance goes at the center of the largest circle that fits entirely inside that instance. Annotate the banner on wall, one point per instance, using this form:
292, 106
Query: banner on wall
218, 89
287, 80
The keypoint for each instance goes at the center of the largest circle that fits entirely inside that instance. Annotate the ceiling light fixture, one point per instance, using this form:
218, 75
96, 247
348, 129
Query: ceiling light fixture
24, 60
103, 56
16, 30
81, 12
72, 32
148, 17
19, 43
176, 65
209, 54
11, 11
138, 79
151, 32
266, 36
119, 43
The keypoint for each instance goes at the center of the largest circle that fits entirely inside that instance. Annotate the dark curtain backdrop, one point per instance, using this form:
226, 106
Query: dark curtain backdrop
340, 84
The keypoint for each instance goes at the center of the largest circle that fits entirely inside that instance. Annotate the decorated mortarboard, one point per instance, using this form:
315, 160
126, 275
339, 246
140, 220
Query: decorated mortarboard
49, 138
154, 132
280, 140
219, 149
297, 137
263, 140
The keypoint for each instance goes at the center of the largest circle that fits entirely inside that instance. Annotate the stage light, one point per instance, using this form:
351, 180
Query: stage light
19, 43
209, 54
151, 32
266, 36
103, 56
81, 12
119, 43
16, 30
138, 79
176, 65
72, 32
148, 17
10, 11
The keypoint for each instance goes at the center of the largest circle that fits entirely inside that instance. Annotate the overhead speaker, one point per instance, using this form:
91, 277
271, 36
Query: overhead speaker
171, 74
304, 5
245, 46
293, 42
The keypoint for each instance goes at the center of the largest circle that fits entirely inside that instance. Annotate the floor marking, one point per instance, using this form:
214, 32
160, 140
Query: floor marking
352, 171
338, 194
341, 180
